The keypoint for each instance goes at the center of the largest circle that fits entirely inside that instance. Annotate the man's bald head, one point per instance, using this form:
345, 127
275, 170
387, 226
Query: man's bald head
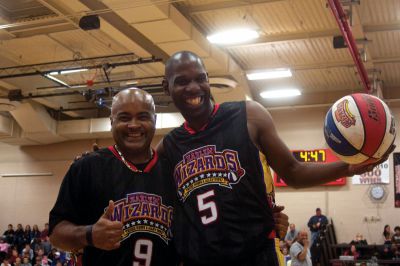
181, 58
133, 96
133, 124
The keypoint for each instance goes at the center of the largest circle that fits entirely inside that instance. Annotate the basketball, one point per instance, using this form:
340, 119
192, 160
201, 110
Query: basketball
359, 128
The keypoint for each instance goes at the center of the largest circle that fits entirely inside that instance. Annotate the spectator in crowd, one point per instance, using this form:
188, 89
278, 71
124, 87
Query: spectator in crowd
4, 246
9, 234
14, 255
316, 224
35, 231
18, 261
300, 250
39, 255
26, 262
35, 237
387, 234
352, 252
27, 250
359, 240
46, 245
19, 237
387, 252
52, 254
396, 252
396, 236
27, 234
285, 251
5, 263
45, 231
291, 235
284, 248
45, 261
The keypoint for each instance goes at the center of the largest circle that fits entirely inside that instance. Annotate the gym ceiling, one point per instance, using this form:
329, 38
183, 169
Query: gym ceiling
45, 39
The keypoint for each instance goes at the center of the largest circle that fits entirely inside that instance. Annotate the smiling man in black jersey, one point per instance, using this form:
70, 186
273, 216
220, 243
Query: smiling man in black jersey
223, 216
117, 203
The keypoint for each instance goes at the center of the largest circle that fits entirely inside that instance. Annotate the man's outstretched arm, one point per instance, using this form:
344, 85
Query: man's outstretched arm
296, 174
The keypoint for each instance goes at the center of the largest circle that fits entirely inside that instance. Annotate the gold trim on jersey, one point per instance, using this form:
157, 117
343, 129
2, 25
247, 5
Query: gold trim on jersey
268, 179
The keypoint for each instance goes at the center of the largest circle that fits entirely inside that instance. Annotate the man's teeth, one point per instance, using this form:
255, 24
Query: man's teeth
135, 134
194, 101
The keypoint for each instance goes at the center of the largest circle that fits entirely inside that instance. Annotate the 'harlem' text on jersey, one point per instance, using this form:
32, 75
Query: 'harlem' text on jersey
204, 166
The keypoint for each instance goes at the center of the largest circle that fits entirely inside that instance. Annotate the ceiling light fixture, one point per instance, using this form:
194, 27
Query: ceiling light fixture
233, 36
68, 71
129, 82
57, 80
282, 93
270, 74
63, 72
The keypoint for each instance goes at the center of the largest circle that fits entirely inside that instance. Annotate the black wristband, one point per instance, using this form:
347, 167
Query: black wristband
89, 238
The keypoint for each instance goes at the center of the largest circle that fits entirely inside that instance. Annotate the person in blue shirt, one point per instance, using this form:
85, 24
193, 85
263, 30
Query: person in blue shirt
316, 224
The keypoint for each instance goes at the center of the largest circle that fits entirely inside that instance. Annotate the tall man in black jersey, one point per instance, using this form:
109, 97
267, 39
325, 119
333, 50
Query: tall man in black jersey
117, 203
223, 216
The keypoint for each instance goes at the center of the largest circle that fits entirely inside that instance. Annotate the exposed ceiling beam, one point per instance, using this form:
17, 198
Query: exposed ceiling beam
325, 65
382, 27
123, 26
90, 63
288, 37
227, 5
382, 60
48, 29
61, 12
313, 66
307, 99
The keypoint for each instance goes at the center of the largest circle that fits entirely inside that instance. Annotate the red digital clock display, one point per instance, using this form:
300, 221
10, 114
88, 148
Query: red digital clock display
314, 156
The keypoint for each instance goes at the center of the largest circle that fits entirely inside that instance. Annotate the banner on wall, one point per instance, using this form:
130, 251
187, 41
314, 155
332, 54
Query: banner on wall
396, 166
379, 175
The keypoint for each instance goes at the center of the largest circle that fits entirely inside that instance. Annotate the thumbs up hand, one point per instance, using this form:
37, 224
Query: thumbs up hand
106, 234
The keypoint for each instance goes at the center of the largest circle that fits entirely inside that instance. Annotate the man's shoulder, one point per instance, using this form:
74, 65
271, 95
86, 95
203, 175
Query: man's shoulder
100, 154
232, 105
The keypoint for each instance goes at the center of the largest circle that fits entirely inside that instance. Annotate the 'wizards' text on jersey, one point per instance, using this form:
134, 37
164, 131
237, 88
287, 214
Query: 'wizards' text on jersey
143, 212
204, 166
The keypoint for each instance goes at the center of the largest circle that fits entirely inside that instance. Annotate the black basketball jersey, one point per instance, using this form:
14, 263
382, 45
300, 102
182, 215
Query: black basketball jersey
223, 213
143, 203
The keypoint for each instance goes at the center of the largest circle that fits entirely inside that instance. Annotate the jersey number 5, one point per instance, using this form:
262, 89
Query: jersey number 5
204, 204
142, 252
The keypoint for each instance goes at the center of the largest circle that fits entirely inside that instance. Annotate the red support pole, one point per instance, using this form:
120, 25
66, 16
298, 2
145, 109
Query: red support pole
344, 26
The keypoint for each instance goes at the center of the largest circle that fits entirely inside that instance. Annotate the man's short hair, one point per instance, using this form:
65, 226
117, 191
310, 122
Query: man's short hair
318, 209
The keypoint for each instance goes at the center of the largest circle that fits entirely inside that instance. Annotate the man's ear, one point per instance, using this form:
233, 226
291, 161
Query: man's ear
165, 86
111, 120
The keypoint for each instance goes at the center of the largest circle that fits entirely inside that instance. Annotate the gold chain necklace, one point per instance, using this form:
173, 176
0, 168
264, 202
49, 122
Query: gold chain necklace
126, 162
